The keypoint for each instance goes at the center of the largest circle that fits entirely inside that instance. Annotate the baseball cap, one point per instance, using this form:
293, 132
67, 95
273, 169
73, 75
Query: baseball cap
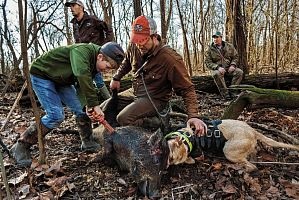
69, 3
142, 28
114, 53
217, 34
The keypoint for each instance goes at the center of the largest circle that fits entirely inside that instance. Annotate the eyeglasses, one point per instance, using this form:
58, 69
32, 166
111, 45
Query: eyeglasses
108, 65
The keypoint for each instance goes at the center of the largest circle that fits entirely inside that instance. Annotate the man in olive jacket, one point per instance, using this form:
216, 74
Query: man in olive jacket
158, 71
222, 59
57, 77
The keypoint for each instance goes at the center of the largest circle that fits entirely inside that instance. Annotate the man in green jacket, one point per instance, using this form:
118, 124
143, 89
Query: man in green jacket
222, 59
65, 75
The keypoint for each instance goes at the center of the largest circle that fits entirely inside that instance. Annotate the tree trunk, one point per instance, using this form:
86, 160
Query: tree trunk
41, 146
257, 97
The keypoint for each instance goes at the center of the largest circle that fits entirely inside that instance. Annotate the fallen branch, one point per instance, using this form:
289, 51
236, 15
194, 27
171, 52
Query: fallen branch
276, 132
14, 105
9, 114
4, 178
276, 163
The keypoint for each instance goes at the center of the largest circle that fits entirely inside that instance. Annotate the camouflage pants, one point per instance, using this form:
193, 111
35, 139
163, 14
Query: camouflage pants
219, 79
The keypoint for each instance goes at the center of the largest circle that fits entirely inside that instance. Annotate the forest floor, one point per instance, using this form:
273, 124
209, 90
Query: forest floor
70, 174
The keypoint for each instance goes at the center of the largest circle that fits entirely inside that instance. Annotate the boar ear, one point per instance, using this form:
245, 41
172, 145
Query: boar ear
156, 137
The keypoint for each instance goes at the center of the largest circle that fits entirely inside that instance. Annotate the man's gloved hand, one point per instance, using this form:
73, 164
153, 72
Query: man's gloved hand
200, 126
94, 112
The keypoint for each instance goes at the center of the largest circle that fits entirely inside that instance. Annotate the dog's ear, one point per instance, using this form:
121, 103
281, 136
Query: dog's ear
178, 141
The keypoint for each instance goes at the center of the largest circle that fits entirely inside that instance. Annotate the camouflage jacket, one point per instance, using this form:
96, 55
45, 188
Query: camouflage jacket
91, 29
224, 57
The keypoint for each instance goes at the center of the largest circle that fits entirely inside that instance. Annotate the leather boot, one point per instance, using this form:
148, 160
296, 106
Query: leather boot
21, 150
85, 130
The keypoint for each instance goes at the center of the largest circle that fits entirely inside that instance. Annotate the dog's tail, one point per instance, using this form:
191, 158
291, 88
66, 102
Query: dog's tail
274, 143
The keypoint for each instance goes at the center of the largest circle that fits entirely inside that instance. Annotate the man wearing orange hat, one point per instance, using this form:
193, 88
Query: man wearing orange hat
158, 71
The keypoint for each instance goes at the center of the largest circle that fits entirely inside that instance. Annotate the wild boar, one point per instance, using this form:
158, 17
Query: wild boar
142, 154
136, 150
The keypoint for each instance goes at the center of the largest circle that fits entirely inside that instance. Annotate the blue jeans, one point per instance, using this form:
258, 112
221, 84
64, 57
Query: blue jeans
51, 96
98, 80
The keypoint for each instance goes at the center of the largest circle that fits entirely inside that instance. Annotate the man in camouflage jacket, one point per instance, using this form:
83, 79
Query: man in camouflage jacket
222, 59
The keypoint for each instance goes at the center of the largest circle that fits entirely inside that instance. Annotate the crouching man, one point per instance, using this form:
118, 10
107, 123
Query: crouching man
65, 75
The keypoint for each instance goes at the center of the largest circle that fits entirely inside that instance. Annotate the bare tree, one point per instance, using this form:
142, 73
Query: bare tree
42, 154
186, 48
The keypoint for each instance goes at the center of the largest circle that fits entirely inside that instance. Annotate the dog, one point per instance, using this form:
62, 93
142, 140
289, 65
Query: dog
237, 141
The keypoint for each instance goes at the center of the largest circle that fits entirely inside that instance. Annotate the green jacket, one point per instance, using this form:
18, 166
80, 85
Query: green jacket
70, 65
225, 57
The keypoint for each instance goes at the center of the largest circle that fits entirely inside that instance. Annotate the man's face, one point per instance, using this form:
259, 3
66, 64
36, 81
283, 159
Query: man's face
217, 40
146, 46
102, 65
76, 9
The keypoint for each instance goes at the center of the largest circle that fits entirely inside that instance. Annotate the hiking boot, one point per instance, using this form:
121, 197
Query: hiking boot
21, 150
85, 130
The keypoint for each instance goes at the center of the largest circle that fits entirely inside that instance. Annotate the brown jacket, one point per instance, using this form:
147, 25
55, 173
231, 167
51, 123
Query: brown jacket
91, 29
164, 71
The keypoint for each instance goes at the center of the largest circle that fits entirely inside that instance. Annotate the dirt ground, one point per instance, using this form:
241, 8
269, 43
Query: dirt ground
70, 174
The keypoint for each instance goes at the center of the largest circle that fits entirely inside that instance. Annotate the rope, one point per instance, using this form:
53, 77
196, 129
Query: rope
152, 102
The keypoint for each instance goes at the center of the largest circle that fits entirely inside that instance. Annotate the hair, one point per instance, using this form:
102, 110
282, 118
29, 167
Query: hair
159, 38
110, 60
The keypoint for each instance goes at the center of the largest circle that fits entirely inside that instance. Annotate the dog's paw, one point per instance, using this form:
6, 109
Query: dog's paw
190, 160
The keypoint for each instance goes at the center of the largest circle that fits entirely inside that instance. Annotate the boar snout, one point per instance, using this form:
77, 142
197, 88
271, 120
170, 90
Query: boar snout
150, 188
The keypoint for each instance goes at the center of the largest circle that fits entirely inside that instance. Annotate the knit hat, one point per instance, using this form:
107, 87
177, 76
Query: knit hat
69, 3
142, 28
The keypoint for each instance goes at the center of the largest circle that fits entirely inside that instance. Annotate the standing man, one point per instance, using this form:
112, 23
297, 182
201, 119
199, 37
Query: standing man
57, 77
222, 59
158, 71
88, 28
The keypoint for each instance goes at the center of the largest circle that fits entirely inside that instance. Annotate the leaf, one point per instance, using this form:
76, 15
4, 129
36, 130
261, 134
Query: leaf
57, 183
273, 190
131, 191
24, 191
56, 167
253, 183
229, 188
17, 180
292, 189
217, 166
121, 181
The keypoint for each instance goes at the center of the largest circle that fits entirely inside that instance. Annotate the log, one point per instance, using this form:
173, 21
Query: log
257, 97
286, 81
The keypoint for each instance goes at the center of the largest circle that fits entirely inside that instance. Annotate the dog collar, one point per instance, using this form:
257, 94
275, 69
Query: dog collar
182, 134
